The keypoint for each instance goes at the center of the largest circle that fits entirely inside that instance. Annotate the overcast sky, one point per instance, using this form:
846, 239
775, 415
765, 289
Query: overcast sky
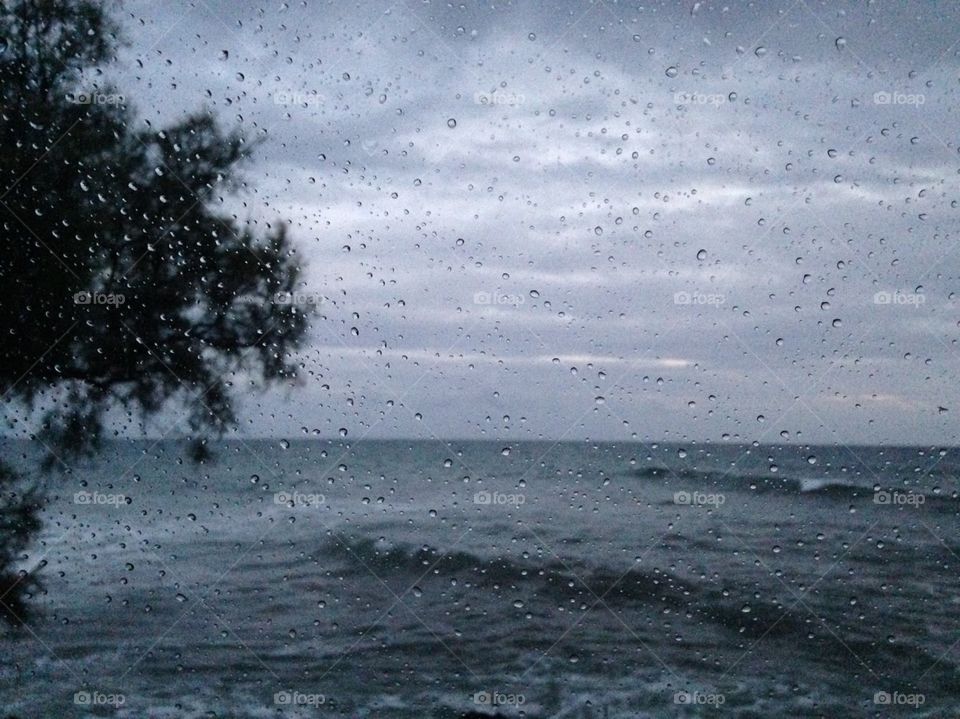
662, 221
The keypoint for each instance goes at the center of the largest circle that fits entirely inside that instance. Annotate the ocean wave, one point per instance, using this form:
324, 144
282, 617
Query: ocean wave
753, 482
728, 609
560, 582
802, 486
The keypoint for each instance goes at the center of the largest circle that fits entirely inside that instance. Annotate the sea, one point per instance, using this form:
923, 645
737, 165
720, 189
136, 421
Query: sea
402, 579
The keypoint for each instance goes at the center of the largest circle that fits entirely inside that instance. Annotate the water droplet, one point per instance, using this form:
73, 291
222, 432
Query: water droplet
702, 255
451, 123
672, 71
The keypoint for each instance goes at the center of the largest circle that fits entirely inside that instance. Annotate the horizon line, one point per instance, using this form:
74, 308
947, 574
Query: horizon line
447, 440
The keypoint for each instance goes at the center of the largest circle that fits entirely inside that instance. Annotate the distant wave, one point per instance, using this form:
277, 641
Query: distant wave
810, 486
830, 487
762, 483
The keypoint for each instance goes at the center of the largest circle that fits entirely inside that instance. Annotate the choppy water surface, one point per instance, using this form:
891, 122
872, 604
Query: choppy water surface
411, 579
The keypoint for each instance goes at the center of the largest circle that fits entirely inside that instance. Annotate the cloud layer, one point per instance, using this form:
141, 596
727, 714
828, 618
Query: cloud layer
695, 222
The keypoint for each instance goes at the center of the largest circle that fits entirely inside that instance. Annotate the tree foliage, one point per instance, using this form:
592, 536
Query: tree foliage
126, 282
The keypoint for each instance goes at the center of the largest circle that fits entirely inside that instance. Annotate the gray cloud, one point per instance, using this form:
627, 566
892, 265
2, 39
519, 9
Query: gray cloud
597, 149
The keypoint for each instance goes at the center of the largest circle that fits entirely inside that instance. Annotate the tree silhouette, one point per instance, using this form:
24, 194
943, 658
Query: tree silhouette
126, 284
